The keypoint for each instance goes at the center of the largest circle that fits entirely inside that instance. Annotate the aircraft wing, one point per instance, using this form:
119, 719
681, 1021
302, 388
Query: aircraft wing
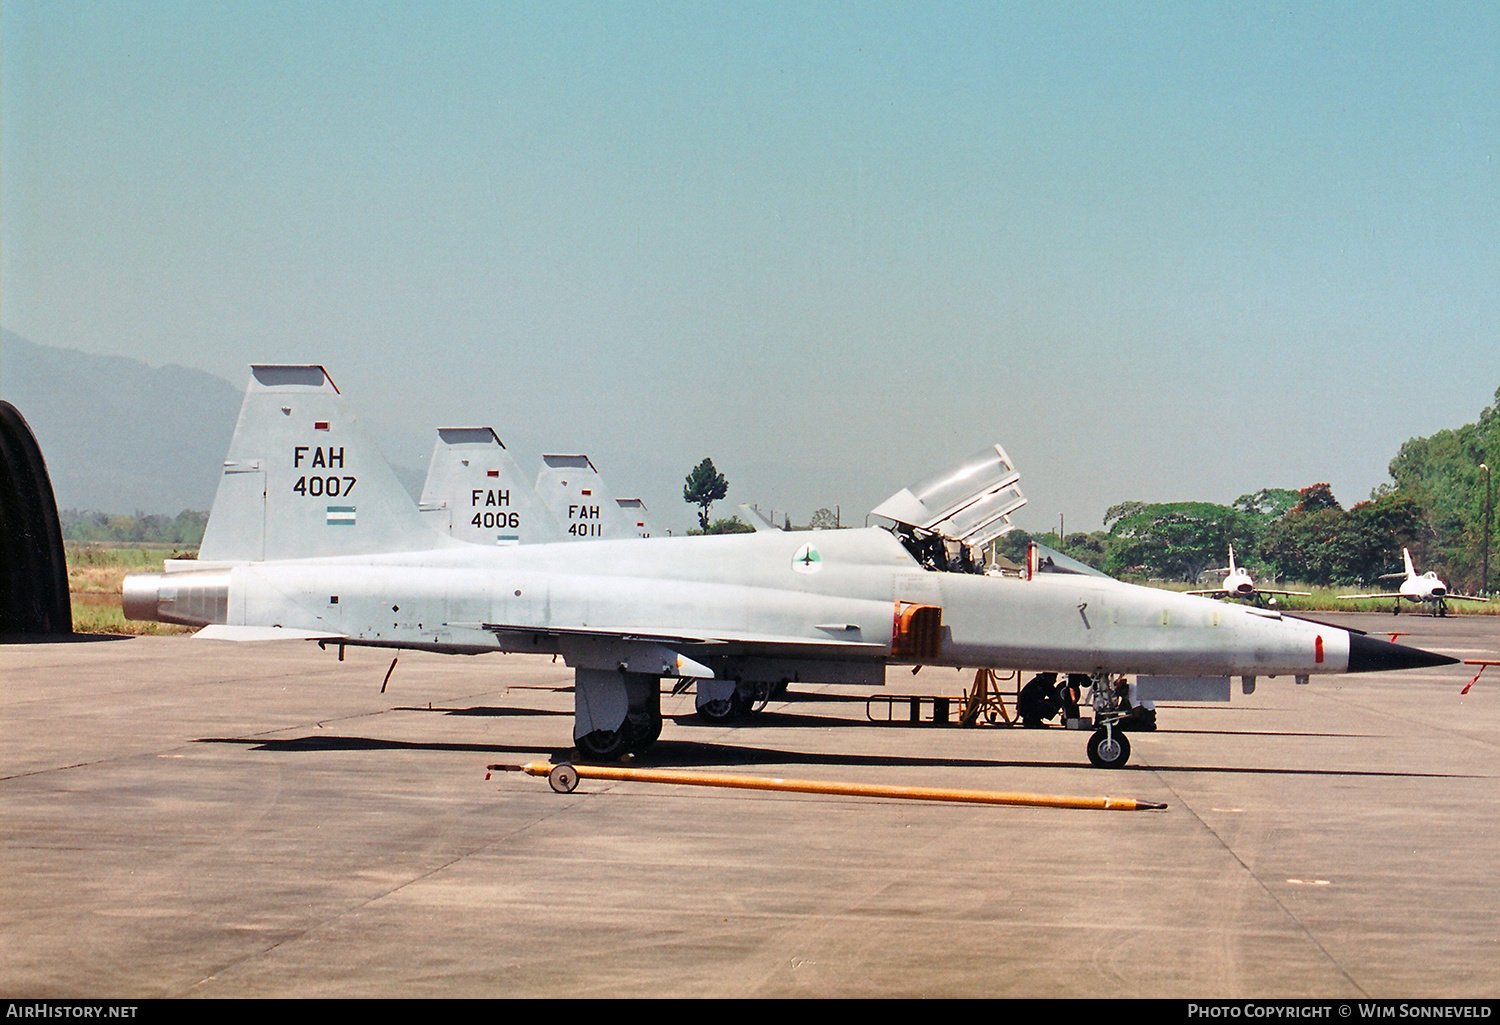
1388, 594
1219, 592
678, 655
831, 648
1298, 594
1466, 597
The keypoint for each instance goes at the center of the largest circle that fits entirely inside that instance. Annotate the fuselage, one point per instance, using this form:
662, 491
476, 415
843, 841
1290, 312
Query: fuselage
1425, 588
822, 596
1238, 583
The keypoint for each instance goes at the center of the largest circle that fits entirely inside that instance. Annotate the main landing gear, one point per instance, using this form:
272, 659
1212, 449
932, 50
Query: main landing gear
615, 712
728, 700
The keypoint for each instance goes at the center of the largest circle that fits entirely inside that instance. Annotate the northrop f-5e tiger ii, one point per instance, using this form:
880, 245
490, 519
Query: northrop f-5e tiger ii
312, 536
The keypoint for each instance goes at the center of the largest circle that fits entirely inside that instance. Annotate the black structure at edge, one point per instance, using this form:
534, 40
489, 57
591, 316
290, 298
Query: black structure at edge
33, 568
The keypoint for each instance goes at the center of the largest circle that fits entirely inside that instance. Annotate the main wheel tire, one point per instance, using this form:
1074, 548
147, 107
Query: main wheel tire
1109, 750
644, 731
603, 745
720, 710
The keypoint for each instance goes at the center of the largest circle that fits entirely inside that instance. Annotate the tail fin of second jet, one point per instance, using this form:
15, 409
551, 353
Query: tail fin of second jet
475, 492
302, 480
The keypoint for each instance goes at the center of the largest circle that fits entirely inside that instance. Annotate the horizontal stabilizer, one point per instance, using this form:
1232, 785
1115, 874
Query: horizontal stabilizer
220, 632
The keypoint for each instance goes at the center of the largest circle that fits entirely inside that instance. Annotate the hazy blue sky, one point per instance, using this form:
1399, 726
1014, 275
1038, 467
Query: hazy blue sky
1159, 251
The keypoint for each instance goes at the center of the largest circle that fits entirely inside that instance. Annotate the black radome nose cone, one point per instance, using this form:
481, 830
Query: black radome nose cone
1367, 655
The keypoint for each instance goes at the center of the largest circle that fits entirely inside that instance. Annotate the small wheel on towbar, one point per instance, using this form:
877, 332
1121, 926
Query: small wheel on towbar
563, 778
1109, 749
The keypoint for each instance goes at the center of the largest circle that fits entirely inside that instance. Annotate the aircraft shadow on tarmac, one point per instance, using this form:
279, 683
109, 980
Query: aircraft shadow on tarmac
481, 710
61, 638
678, 754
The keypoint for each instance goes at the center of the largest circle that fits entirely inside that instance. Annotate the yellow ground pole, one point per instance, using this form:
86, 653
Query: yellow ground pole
564, 777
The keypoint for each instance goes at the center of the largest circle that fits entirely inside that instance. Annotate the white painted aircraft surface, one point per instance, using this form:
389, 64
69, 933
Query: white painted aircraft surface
311, 536
1425, 589
1239, 584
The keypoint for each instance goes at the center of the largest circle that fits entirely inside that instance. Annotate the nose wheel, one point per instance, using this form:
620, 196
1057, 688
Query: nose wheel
1109, 749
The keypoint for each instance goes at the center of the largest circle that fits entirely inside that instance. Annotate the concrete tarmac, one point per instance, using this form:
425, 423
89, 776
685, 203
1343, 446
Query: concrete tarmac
200, 818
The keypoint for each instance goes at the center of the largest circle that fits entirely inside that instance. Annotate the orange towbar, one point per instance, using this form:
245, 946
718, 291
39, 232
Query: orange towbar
564, 778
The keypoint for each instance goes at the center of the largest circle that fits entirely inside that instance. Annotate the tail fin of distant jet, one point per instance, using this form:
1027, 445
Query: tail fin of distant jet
583, 506
634, 510
757, 519
475, 492
302, 480
1411, 570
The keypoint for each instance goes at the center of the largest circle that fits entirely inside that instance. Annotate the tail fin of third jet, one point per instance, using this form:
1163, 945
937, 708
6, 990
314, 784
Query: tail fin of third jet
302, 480
581, 504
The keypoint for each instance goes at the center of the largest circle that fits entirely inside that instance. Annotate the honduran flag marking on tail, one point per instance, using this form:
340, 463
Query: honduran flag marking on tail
341, 515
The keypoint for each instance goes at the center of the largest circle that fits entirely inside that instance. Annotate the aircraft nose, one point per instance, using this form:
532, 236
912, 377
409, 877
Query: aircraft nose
1367, 655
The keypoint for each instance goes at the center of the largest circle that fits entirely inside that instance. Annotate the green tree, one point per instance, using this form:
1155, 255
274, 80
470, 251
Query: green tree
1321, 543
1441, 475
733, 525
1176, 540
704, 487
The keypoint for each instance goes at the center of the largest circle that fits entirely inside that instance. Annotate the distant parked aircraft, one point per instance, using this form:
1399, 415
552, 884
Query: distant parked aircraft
1238, 584
1426, 589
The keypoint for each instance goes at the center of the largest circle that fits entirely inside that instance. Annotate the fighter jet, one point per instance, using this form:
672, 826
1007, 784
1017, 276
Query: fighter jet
1238, 584
1426, 589
311, 536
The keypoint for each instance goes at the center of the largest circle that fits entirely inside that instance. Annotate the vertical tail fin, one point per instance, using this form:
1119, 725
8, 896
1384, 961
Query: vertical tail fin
584, 508
476, 493
1411, 571
302, 480
635, 511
